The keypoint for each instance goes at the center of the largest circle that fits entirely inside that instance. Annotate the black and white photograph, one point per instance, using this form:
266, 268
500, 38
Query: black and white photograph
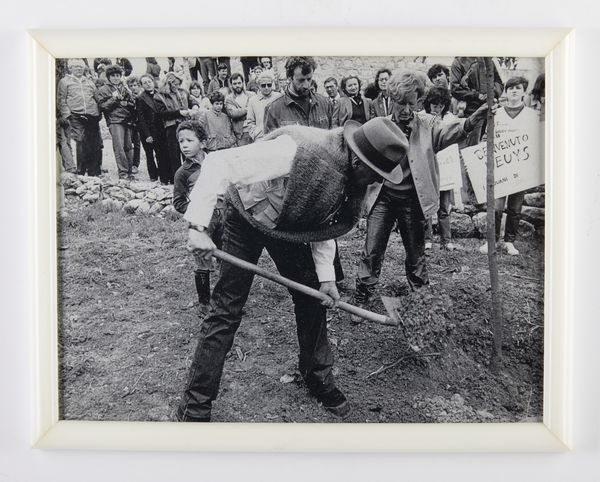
301, 239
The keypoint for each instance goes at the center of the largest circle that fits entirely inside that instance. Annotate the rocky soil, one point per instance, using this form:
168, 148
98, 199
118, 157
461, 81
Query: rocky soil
128, 327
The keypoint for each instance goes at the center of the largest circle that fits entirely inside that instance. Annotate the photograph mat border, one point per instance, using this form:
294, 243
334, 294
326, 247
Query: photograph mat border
554, 434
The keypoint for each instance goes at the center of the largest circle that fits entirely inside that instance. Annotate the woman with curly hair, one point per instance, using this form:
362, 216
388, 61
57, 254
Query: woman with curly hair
354, 106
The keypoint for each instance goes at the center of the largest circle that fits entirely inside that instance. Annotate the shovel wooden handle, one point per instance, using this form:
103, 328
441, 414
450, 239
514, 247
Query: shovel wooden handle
355, 310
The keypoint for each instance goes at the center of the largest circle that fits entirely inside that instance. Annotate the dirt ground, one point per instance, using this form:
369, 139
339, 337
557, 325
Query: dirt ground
129, 325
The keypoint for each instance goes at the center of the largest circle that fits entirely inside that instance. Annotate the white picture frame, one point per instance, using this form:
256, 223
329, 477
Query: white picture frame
554, 434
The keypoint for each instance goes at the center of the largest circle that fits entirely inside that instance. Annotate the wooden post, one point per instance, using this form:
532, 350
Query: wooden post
497, 324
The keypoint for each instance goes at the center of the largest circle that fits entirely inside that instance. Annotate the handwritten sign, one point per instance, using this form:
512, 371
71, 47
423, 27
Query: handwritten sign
449, 164
518, 159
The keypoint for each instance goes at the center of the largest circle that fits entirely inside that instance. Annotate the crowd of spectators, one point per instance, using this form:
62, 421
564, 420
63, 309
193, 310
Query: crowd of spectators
240, 108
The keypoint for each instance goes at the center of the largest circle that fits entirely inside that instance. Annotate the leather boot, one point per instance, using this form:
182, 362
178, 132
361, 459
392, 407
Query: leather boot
202, 278
361, 298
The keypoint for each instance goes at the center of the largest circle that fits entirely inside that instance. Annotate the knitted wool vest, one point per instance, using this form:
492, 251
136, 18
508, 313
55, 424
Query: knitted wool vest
318, 201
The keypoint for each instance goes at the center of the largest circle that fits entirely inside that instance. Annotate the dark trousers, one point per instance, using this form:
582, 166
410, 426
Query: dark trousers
386, 211
63, 142
293, 261
195, 71
337, 264
172, 155
85, 131
149, 150
135, 142
207, 71
514, 203
443, 215
161, 169
248, 63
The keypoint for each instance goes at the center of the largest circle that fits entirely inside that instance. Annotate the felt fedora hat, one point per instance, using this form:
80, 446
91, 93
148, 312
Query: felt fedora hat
380, 144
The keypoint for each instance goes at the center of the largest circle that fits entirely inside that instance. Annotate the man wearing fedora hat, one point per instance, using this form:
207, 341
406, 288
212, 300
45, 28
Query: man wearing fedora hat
414, 196
292, 194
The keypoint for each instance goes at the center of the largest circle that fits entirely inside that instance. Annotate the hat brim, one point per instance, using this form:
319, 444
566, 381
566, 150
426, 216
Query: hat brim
395, 176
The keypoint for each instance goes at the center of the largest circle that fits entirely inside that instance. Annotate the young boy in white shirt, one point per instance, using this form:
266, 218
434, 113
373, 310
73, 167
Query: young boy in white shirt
504, 121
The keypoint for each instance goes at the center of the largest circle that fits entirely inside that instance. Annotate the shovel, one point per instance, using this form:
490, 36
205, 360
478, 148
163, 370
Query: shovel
391, 320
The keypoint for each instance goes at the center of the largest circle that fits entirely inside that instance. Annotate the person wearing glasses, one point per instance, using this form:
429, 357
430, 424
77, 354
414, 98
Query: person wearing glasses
331, 88
258, 104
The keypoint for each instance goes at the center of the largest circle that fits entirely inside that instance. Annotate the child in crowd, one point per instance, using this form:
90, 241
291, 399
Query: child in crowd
437, 102
508, 118
217, 125
195, 95
192, 142
133, 82
198, 103
117, 103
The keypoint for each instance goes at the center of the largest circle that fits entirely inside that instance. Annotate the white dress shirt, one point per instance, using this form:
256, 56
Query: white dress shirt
245, 165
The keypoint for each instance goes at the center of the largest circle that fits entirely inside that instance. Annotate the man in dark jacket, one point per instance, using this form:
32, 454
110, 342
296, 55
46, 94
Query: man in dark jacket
220, 80
468, 84
117, 104
299, 105
151, 130
236, 107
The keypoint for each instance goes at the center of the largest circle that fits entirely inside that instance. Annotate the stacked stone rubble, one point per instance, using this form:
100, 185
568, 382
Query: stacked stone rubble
133, 197
150, 198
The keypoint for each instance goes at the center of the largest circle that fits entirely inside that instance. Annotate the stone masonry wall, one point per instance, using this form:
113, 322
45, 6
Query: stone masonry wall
152, 199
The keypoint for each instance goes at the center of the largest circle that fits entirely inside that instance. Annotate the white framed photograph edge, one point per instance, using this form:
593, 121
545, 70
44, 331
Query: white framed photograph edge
554, 434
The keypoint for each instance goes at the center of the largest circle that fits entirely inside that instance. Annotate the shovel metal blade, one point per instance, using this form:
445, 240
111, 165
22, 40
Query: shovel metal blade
392, 305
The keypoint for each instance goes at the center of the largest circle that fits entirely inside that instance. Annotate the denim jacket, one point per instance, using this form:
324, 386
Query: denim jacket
285, 111
429, 135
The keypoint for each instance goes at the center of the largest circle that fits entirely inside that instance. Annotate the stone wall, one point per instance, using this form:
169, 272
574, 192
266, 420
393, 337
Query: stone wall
132, 197
152, 199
